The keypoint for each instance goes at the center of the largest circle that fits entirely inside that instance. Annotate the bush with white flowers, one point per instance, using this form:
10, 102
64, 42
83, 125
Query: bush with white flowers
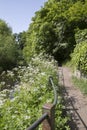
30, 92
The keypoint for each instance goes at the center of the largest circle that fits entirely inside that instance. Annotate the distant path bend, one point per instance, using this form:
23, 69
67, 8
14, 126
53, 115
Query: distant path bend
75, 101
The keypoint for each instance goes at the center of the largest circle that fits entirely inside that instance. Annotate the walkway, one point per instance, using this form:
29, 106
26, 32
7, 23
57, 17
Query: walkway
75, 101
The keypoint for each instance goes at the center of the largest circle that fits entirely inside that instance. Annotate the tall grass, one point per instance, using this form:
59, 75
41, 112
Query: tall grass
80, 83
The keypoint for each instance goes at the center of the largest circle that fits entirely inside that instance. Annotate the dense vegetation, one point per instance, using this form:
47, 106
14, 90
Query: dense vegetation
8, 47
53, 28
79, 55
22, 105
81, 84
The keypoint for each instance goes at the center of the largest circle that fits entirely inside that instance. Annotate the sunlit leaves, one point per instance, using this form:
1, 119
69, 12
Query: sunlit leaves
52, 29
4, 28
29, 95
79, 57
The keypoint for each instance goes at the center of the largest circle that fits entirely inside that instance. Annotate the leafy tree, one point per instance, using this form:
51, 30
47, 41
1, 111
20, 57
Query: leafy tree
8, 50
4, 28
53, 28
20, 39
29, 49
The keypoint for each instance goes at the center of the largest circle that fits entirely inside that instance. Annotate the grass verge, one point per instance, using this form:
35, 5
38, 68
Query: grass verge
80, 83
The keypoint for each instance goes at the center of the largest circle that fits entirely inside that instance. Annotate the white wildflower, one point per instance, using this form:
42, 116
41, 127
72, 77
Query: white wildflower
3, 83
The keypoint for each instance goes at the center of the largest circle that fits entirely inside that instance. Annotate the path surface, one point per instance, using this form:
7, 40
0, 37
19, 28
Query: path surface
75, 101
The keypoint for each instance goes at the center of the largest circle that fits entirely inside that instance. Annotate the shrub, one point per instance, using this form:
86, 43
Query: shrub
79, 57
25, 107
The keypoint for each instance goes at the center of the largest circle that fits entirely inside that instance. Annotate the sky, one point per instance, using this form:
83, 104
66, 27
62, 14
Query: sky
18, 13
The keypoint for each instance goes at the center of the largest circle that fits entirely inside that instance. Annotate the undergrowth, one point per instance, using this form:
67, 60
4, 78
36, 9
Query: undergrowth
80, 83
21, 104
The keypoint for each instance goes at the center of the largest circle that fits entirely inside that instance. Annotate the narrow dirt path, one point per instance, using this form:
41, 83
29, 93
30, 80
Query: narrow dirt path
75, 101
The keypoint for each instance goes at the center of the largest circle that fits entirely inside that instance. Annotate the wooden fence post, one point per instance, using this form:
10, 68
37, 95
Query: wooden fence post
49, 124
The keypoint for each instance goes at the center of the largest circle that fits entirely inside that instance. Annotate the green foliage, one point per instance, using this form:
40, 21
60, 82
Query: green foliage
8, 49
79, 57
77, 12
21, 39
53, 28
80, 83
8, 52
80, 35
4, 28
30, 45
21, 110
